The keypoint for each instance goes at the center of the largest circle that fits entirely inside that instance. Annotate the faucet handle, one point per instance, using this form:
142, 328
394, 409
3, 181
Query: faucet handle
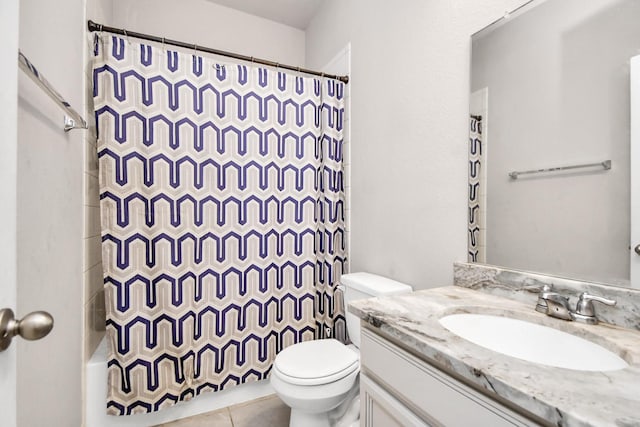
585, 304
543, 292
547, 292
546, 287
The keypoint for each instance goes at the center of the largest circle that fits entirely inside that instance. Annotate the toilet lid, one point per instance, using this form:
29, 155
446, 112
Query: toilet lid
319, 361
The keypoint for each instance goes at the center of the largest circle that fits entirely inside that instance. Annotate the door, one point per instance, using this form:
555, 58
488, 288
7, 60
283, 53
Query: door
634, 261
9, 19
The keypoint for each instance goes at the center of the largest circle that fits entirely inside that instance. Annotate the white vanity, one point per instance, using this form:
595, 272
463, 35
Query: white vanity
400, 389
549, 142
416, 372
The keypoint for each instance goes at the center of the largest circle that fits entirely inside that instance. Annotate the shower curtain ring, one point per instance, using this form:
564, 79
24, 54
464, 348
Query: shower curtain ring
195, 50
163, 43
126, 35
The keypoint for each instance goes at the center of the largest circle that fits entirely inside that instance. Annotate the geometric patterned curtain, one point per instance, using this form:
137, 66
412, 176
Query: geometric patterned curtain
222, 210
476, 227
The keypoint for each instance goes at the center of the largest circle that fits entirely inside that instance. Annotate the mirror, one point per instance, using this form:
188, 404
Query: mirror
549, 90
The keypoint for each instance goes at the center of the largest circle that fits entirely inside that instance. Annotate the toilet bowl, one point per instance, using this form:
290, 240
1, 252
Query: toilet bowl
313, 378
319, 379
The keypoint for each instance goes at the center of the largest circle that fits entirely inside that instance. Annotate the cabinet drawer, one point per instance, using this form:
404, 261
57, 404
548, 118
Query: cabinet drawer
436, 396
378, 408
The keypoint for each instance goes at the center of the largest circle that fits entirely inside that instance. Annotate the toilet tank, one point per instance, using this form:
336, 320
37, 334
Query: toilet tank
366, 285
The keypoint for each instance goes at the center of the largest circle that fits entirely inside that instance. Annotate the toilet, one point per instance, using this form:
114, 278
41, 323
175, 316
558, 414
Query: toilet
319, 379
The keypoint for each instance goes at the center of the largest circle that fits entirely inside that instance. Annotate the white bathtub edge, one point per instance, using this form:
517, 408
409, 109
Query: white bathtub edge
96, 396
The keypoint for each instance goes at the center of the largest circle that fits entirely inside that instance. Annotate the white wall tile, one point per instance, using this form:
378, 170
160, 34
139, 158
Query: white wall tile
91, 159
93, 251
94, 318
93, 281
91, 192
91, 221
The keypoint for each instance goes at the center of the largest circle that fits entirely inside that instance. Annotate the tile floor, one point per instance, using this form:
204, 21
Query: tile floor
268, 411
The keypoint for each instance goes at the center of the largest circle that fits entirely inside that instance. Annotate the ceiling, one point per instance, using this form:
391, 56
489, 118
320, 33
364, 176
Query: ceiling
295, 13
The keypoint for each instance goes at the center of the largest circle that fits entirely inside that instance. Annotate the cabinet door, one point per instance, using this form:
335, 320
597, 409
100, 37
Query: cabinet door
378, 408
429, 392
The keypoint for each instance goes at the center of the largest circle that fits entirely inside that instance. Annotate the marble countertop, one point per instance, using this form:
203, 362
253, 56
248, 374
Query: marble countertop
563, 397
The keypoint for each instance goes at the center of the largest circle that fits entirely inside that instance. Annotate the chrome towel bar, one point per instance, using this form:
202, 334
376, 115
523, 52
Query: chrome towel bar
72, 120
605, 165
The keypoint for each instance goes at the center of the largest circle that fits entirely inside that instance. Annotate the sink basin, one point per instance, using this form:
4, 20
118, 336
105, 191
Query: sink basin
532, 342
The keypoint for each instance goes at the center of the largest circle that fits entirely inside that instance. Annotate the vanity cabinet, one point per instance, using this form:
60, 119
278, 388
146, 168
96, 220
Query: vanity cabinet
398, 389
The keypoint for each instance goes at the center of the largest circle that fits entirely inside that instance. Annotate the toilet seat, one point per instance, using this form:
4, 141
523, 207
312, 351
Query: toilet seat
315, 362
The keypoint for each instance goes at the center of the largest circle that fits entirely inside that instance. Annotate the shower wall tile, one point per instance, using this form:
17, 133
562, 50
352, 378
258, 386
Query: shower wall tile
91, 158
98, 313
88, 71
92, 221
88, 92
93, 293
91, 132
347, 167
93, 251
346, 150
93, 281
94, 323
92, 193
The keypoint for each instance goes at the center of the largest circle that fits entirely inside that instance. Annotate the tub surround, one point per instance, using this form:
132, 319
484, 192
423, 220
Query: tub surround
96, 398
562, 397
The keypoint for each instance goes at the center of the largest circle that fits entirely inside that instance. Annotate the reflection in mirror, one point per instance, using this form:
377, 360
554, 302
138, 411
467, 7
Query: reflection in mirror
550, 89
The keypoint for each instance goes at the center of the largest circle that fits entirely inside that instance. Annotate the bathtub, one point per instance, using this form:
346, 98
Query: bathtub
96, 398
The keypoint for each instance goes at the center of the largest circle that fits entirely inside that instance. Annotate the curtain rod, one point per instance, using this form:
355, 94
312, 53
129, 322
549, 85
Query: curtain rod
93, 26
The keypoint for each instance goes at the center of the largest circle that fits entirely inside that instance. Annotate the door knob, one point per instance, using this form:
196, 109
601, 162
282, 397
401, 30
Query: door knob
31, 327
637, 249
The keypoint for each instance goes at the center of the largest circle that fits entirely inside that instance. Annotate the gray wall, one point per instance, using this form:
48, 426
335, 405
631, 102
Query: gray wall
212, 25
9, 19
558, 82
409, 101
49, 217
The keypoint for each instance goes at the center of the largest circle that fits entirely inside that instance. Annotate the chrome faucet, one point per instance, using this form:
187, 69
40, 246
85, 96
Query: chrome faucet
586, 312
555, 305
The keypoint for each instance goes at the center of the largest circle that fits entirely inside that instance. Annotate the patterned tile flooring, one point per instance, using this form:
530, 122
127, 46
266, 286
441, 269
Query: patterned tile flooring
265, 412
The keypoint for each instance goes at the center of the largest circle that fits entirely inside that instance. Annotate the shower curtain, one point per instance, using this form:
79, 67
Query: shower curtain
222, 210
475, 243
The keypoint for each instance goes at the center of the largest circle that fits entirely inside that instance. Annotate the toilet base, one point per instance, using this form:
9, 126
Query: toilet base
306, 419
346, 414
